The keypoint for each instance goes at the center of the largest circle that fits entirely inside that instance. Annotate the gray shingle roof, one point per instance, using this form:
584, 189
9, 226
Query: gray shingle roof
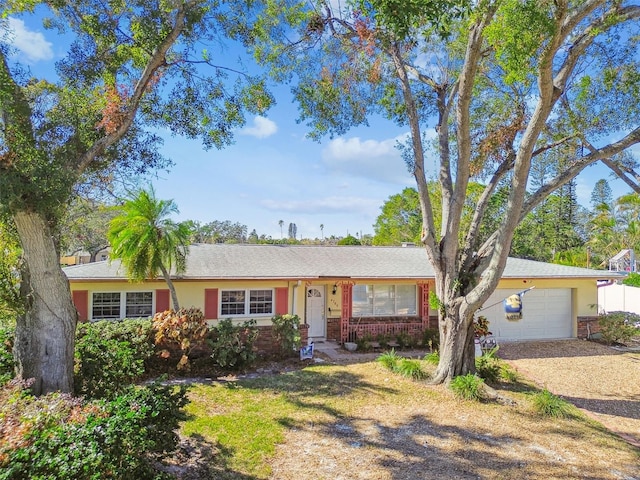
301, 262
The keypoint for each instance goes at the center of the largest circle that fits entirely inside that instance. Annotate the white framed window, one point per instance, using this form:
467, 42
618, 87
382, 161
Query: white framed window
117, 305
106, 306
384, 300
246, 302
138, 304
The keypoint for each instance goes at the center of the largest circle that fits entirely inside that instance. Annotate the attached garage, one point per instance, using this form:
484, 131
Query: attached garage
546, 314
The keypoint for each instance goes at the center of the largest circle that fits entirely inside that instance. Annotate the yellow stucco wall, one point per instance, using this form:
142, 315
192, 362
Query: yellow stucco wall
191, 293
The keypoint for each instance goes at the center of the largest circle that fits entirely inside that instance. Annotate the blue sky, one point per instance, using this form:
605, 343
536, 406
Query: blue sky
273, 172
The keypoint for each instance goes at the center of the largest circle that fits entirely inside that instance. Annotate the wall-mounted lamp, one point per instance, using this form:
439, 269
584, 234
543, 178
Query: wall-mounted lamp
335, 289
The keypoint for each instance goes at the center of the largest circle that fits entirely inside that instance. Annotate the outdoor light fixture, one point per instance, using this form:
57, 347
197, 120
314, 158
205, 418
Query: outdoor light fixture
335, 288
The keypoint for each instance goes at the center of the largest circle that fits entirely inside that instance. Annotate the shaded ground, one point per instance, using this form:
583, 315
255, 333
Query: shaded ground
367, 423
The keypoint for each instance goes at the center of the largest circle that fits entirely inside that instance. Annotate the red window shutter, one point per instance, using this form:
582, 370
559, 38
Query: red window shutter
210, 303
282, 301
81, 302
162, 300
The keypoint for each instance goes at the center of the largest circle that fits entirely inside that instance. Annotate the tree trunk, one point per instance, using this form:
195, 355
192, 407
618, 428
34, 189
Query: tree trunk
172, 288
457, 348
45, 334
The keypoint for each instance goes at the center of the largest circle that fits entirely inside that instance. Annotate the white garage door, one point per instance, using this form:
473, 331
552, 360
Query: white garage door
546, 314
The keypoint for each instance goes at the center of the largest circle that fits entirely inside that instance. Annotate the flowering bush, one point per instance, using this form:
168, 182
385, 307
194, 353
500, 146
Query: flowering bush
183, 331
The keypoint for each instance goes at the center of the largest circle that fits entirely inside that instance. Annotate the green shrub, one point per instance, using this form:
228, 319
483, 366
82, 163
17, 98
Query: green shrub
286, 333
632, 280
405, 340
59, 436
383, 340
364, 342
547, 404
432, 358
181, 331
110, 355
488, 366
233, 344
389, 359
7, 364
508, 374
410, 368
619, 327
406, 367
431, 339
467, 386
7, 317
488, 369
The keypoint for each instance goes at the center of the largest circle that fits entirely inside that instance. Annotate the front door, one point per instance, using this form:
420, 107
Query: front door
315, 312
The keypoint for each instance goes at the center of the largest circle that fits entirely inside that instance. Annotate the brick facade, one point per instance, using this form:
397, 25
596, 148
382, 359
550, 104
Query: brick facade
333, 329
587, 326
266, 345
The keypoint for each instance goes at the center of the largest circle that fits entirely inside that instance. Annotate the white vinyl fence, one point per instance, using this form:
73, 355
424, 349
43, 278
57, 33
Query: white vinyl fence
618, 298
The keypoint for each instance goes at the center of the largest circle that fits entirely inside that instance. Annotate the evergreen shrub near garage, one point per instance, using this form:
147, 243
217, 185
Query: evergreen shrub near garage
64, 437
619, 327
110, 355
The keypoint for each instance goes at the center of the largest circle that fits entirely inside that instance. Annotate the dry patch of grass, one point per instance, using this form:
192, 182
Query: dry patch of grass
362, 421
602, 381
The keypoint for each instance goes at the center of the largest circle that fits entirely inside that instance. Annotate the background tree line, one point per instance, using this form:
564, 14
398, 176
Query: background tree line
559, 230
85, 225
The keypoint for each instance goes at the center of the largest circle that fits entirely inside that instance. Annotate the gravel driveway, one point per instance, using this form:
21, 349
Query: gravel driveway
600, 380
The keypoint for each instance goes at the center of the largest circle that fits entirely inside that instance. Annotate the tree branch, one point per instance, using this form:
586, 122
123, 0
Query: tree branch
428, 237
604, 153
622, 172
155, 63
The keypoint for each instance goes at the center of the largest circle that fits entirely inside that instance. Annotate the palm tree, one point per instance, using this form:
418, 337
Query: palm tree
281, 223
148, 241
322, 230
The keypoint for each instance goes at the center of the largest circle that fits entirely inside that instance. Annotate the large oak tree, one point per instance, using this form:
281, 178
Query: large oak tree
504, 83
132, 65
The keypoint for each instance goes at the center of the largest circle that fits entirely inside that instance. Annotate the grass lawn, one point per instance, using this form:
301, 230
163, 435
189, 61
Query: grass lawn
362, 421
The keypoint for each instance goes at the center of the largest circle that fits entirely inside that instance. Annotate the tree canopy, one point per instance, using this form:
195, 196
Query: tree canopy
506, 84
148, 241
133, 68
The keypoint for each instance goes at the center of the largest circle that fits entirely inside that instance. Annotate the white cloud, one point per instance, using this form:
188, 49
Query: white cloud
262, 128
333, 204
374, 159
32, 44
